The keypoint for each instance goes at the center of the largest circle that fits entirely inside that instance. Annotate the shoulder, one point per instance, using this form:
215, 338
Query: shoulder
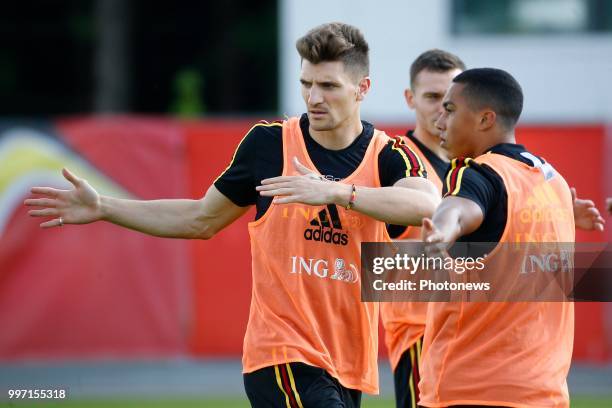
465, 173
262, 135
266, 129
397, 150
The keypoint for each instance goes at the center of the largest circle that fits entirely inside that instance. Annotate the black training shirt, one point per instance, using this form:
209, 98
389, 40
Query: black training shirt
260, 156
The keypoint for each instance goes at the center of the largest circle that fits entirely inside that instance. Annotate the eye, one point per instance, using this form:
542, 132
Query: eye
306, 84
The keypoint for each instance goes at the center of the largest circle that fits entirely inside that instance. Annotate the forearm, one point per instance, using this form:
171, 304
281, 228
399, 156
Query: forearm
161, 218
456, 217
393, 205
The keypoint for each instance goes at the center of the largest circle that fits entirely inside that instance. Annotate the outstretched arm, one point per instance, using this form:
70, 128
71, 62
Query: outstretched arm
406, 203
163, 218
455, 217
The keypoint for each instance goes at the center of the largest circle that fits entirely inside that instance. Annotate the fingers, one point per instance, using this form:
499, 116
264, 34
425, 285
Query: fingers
71, 177
286, 179
48, 191
426, 228
277, 192
584, 203
40, 202
287, 199
573, 191
300, 167
47, 212
599, 223
280, 179
429, 232
53, 223
593, 212
273, 186
435, 237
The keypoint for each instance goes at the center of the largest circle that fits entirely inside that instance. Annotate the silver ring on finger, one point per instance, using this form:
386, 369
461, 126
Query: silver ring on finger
61, 222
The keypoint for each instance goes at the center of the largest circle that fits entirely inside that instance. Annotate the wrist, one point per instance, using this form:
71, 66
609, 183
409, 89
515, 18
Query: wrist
104, 208
342, 194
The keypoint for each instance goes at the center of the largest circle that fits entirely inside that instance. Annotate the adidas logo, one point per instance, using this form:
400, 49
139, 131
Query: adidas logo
324, 231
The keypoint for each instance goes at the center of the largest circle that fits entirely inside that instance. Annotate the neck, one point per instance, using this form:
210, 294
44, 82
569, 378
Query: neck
432, 142
503, 137
340, 137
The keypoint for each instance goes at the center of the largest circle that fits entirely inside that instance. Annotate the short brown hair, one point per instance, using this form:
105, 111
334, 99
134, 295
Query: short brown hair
434, 60
336, 42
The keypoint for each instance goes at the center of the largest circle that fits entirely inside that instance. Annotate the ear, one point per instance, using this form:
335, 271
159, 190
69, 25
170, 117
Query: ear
409, 96
488, 119
363, 88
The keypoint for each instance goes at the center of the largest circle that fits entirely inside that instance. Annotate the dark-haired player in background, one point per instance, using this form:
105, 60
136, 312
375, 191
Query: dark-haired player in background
404, 322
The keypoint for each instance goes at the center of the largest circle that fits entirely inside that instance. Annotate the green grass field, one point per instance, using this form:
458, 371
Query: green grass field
368, 402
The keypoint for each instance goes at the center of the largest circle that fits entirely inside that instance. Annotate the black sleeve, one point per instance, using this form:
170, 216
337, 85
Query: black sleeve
238, 181
473, 181
397, 161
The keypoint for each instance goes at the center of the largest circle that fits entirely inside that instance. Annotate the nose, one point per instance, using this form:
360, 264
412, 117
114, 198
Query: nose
441, 121
315, 96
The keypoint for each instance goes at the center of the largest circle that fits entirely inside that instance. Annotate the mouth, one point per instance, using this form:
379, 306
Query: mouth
317, 112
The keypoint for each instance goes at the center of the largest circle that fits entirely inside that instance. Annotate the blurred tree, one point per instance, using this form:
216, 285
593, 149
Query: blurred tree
112, 56
46, 53
233, 44
187, 101
79, 56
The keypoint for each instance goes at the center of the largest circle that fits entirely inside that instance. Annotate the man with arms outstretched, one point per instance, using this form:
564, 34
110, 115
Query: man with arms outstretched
504, 353
322, 184
431, 74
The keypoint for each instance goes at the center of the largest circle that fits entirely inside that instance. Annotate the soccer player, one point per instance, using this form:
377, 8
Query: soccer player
431, 74
496, 354
322, 183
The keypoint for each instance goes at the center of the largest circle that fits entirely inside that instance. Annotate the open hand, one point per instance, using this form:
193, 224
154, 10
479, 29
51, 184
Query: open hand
307, 188
80, 205
434, 241
586, 215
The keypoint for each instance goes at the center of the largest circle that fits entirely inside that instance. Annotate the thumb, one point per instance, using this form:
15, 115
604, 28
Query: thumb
426, 228
300, 167
71, 177
573, 191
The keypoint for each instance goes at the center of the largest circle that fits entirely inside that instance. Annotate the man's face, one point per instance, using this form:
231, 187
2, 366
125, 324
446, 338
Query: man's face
426, 97
331, 94
458, 124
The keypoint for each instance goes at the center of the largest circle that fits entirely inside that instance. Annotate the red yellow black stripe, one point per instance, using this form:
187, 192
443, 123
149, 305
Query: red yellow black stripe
414, 165
286, 383
455, 174
414, 377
